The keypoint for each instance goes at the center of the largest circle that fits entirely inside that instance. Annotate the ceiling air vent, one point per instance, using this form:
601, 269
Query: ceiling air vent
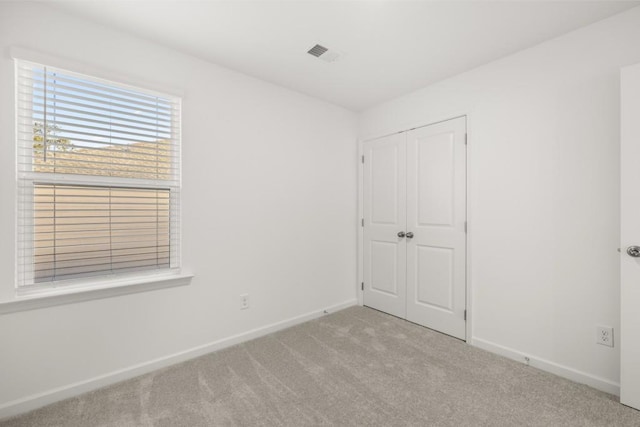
317, 51
324, 53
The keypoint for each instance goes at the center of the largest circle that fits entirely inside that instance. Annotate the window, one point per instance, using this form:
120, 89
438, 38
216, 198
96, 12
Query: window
98, 179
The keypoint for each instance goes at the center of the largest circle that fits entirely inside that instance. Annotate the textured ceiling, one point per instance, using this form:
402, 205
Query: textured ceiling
389, 47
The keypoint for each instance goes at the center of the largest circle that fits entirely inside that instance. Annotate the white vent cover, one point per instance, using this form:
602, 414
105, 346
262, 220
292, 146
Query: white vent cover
324, 53
317, 50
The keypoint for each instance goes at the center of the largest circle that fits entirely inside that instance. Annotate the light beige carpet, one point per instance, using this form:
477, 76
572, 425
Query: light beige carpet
354, 367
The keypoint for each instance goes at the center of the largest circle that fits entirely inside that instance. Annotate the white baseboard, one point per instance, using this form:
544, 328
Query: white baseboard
29, 403
575, 375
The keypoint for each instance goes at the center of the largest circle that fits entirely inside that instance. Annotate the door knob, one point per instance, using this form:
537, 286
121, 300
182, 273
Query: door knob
401, 234
633, 251
410, 236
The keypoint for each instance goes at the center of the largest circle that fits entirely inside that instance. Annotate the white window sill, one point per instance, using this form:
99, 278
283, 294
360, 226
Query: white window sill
70, 295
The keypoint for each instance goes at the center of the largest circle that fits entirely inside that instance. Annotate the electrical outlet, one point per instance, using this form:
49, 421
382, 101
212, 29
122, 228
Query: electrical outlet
244, 301
604, 336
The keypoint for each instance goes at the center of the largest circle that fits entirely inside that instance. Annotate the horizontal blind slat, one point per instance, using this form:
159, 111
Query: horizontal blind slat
53, 102
56, 160
108, 130
61, 134
169, 148
88, 256
60, 254
84, 92
32, 70
120, 122
74, 81
26, 106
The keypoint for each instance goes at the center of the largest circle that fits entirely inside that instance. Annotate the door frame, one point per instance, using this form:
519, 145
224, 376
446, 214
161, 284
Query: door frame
469, 190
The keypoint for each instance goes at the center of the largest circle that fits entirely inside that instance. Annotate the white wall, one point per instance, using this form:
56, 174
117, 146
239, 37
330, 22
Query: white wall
269, 184
543, 193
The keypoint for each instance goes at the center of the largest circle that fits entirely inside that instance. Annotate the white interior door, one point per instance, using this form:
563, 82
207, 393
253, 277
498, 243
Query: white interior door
385, 216
630, 236
436, 216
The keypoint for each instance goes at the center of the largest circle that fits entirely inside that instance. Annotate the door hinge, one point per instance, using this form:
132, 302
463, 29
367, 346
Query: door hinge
466, 141
362, 222
362, 159
362, 286
465, 226
465, 315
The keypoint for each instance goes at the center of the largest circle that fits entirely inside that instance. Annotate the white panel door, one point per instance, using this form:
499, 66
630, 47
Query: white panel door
436, 215
385, 216
630, 237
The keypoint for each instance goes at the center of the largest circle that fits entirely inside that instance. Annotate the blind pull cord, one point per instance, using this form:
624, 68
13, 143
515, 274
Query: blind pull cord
45, 141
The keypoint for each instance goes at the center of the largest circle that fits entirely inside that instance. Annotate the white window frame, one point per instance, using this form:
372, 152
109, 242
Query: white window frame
79, 289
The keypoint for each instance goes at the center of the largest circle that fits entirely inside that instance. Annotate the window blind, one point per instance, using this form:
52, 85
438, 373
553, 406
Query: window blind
98, 177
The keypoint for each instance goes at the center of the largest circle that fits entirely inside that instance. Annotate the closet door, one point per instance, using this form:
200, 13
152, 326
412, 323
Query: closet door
436, 215
385, 223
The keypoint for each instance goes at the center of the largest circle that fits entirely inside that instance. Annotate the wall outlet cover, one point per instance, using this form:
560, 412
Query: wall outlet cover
244, 301
604, 335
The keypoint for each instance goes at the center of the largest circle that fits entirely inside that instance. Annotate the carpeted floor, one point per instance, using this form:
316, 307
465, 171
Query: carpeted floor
354, 367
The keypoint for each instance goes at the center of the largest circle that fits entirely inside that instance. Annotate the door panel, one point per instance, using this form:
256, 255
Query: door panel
385, 183
630, 236
434, 277
384, 267
385, 216
435, 165
436, 215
